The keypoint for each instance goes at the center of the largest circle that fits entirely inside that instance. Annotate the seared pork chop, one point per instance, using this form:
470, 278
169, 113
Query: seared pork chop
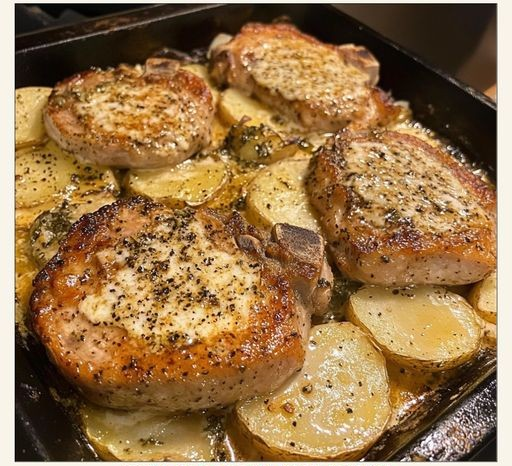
128, 116
322, 86
148, 307
397, 211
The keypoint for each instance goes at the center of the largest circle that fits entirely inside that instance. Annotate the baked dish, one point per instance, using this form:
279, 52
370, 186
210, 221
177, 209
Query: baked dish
254, 254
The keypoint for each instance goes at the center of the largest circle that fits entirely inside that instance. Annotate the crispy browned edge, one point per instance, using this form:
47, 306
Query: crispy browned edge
222, 62
279, 339
61, 102
481, 241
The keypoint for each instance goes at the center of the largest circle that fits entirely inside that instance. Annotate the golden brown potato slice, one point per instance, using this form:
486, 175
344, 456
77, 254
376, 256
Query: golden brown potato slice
191, 183
424, 327
149, 436
334, 409
483, 298
235, 106
30, 102
278, 195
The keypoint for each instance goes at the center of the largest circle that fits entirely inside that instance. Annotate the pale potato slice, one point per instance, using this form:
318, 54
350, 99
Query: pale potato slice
235, 106
50, 227
278, 195
30, 102
335, 408
424, 327
149, 436
191, 183
483, 298
47, 175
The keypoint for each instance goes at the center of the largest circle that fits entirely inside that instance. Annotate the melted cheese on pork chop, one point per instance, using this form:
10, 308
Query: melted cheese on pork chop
174, 285
302, 71
153, 114
397, 184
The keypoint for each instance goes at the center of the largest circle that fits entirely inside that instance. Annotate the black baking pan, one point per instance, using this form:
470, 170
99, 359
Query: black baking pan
456, 430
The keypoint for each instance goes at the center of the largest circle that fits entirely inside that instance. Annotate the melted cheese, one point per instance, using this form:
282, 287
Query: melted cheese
397, 185
173, 284
301, 71
151, 114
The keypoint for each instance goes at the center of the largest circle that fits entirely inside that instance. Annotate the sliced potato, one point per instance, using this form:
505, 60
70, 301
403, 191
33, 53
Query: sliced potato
235, 106
232, 194
191, 183
335, 408
489, 334
50, 227
425, 327
278, 195
149, 436
30, 102
47, 175
483, 298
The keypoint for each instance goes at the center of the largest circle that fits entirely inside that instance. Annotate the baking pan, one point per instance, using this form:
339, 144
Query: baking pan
465, 419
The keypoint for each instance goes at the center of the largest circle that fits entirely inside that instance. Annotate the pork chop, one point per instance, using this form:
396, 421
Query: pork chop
146, 307
397, 211
131, 116
322, 86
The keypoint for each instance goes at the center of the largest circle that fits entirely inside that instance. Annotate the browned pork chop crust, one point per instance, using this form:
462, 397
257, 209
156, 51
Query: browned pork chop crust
322, 86
148, 307
397, 211
152, 116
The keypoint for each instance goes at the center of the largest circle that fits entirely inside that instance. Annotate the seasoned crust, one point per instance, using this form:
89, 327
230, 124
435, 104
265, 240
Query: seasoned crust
322, 86
397, 211
131, 116
218, 362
